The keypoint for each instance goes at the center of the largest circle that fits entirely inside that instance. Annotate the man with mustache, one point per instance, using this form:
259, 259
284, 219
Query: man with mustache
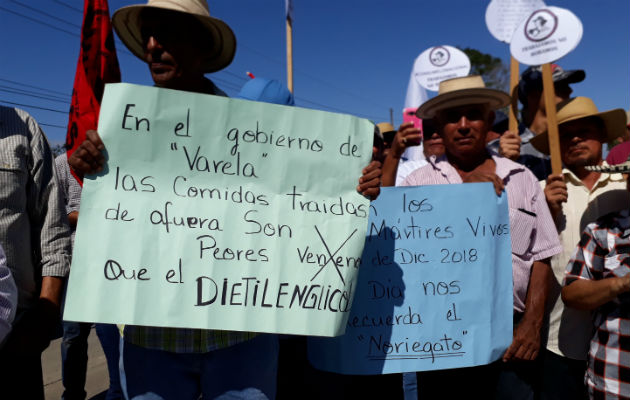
463, 112
181, 42
588, 195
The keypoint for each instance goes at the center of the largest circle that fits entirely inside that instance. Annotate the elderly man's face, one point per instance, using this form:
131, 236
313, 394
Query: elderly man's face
581, 142
464, 129
173, 48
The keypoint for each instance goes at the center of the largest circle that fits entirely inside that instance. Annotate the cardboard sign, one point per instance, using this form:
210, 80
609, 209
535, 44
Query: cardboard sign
547, 35
439, 63
504, 16
221, 213
435, 286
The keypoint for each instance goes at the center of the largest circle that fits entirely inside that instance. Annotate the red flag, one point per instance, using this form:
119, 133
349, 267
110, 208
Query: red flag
97, 66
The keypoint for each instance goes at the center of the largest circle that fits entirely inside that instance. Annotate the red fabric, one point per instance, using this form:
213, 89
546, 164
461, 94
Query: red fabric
97, 66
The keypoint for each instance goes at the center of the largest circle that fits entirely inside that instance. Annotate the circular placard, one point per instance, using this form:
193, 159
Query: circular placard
439, 63
504, 16
547, 35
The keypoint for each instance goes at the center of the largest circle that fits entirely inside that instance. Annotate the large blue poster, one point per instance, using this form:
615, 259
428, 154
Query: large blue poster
435, 284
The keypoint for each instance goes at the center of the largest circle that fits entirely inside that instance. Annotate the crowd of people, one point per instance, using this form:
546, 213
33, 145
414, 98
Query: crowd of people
570, 236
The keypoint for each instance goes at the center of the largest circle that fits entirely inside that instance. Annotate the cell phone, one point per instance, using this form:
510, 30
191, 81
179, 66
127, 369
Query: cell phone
409, 115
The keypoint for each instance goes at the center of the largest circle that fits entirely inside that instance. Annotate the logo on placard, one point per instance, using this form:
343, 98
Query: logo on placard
540, 25
439, 56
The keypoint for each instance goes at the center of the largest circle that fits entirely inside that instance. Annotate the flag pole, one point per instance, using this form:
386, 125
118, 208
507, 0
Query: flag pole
513, 120
552, 121
289, 54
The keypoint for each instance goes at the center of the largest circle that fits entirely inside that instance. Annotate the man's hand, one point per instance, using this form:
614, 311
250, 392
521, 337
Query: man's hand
406, 136
32, 332
370, 181
88, 157
510, 145
525, 344
481, 176
556, 193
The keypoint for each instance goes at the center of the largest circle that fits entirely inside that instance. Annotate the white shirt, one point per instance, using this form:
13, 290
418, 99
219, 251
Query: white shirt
570, 330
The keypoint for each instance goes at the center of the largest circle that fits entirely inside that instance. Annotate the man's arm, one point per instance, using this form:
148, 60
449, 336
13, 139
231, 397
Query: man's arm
588, 295
526, 343
407, 135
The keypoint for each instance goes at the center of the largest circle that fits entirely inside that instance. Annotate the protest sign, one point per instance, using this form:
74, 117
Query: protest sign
547, 35
221, 213
435, 285
439, 63
502, 18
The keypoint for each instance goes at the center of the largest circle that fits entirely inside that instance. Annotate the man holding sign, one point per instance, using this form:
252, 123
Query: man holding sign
180, 43
463, 112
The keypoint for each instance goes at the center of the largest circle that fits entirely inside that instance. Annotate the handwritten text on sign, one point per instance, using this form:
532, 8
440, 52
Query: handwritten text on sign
435, 286
221, 213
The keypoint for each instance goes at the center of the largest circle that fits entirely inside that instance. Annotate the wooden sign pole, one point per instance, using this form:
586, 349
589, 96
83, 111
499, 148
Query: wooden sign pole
552, 121
289, 55
513, 120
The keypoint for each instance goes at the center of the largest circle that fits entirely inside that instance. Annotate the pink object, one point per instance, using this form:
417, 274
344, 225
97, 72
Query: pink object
409, 115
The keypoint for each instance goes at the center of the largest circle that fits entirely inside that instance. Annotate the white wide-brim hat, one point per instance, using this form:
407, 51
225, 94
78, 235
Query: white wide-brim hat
127, 24
467, 90
582, 107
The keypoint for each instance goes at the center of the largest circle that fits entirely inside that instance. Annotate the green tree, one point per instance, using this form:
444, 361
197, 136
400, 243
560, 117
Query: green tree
494, 73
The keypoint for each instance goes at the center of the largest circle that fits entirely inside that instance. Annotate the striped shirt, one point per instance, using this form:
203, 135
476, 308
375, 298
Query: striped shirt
604, 252
532, 230
179, 340
34, 231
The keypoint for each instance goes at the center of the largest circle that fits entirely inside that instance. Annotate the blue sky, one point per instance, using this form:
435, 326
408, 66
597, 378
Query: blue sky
349, 56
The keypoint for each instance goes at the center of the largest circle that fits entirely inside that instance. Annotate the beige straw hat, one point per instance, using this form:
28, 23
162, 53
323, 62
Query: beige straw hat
127, 24
583, 107
463, 91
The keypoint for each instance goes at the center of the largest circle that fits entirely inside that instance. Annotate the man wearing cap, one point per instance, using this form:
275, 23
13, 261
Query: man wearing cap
597, 279
180, 42
463, 113
534, 117
588, 195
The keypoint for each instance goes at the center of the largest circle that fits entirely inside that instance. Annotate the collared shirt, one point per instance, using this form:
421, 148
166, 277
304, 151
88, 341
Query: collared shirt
407, 166
570, 330
532, 231
69, 186
34, 230
603, 252
185, 340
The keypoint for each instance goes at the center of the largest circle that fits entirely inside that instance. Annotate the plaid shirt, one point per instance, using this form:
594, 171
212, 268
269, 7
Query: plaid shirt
604, 252
68, 185
34, 230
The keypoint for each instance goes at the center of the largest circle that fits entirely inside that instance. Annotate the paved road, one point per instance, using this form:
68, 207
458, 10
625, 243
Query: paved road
97, 380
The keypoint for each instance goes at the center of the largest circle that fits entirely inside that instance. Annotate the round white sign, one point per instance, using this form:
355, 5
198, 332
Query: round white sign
504, 16
547, 35
439, 63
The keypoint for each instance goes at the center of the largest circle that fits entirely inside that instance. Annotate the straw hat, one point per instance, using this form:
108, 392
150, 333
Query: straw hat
385, 127
127, 23
583, 107
463, 91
